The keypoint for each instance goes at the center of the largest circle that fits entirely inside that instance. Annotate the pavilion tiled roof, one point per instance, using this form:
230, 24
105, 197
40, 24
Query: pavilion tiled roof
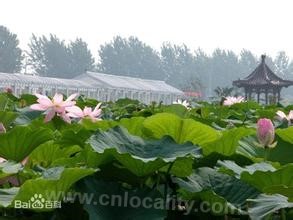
262, 76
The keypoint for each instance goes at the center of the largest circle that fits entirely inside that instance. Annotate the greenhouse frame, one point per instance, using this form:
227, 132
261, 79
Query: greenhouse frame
100, 86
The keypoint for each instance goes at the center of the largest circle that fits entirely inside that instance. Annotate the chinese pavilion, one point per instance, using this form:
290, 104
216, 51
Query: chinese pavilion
263, 81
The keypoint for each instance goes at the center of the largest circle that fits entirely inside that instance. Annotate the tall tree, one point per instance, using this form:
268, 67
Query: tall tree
80, 57
178, 64
10, 53
49, 56
203, 69
52, 57
130, 57
169, 62
225, 67
281, 63
290, 71
247, 61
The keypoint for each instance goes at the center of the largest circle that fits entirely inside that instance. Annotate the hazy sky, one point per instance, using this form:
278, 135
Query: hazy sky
262, 26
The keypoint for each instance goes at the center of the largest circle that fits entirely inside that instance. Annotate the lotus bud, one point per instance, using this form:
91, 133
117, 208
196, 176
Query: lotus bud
265, 132
2, 128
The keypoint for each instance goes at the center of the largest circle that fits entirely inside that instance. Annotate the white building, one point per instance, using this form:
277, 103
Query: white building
103, 87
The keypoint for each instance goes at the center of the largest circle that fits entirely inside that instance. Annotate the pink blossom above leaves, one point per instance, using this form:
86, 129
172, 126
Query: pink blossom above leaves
55, 106
87, 112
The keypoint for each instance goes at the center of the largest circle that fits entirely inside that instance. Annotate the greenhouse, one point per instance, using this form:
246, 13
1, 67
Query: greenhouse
104, 87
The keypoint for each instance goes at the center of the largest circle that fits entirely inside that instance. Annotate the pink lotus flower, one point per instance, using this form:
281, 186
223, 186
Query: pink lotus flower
87, 112
282, 116
265, 132
231, 100
54, 106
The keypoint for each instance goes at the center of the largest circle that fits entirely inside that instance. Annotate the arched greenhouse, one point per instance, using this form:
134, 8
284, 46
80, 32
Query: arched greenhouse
103, 87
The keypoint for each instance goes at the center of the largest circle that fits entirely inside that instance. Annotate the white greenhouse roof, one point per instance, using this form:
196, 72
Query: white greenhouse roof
125, 82
39, 80
92, 80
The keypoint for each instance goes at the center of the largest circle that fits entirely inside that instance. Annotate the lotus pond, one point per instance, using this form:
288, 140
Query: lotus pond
78, 159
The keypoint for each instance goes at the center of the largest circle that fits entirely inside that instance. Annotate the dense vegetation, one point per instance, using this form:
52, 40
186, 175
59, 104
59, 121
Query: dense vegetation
204, 161
178, 65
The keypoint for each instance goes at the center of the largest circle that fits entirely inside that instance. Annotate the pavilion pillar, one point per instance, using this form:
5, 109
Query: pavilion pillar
274, 97
279, 95
249, 94
258, 93
245, 90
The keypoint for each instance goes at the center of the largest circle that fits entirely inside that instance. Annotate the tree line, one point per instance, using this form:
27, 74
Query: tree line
178, 65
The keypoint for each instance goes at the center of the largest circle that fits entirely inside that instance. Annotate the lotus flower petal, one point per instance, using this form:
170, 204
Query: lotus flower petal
265, 132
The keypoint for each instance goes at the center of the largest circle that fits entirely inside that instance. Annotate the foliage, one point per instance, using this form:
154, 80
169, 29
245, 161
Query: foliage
10, 53
197, 163
53, 57
223, 92
130, 57
178, 65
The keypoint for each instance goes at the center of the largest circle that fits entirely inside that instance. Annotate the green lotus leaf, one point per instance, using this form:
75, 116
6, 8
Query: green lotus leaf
9, 168
231, 165
7, 118
135, 203
7, 195
211, 186
181, 130
49, 153
286, 134
228, 142
264, 180
141, 157
52, 185
20, 141
265, 205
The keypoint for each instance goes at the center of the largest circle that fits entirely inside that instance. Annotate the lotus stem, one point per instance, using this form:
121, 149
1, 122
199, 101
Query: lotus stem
283, 214
267, 154
166, 184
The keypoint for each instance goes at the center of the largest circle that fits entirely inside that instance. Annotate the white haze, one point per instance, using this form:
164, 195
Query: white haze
262, 26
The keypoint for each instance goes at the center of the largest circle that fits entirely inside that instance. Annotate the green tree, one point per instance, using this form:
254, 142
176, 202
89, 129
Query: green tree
49, 56
247, 62
80, 57
290, 71
281, 64
52, 57
10, 53
203, 67
178, 64
224, 67
170, 63
223, 91
130, 57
